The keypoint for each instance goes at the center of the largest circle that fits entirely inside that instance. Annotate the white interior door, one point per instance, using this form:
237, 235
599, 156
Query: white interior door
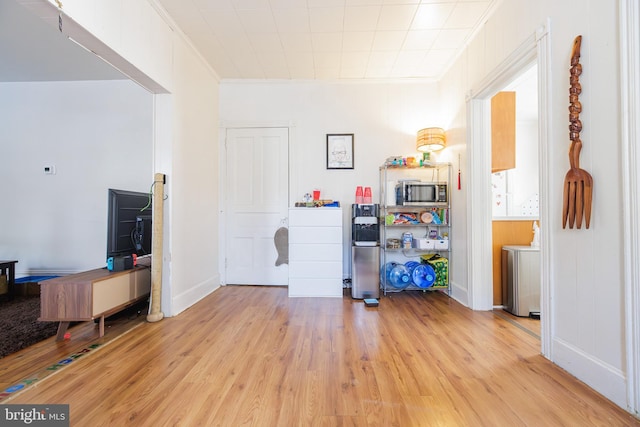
257, 194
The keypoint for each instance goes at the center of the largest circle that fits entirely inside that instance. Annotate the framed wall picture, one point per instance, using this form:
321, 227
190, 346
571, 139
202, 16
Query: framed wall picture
340, 151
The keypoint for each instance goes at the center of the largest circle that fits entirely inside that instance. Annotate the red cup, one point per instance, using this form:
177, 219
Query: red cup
367, 195
359, 198
316, 194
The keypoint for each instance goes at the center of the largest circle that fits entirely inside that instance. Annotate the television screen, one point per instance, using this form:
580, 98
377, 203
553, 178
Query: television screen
128, 223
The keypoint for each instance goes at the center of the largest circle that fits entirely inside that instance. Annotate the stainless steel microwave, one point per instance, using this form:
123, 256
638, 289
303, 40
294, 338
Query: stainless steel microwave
421, 193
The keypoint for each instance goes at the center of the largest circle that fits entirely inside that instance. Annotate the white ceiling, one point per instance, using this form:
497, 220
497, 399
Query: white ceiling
271, 39
31, 50
329, 39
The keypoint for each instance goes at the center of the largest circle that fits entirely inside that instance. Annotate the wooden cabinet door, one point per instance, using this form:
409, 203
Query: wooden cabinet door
503, 131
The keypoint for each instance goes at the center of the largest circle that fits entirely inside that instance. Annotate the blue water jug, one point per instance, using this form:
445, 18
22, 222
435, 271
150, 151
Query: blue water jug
385, 270
423, 276
400, 277
411, 265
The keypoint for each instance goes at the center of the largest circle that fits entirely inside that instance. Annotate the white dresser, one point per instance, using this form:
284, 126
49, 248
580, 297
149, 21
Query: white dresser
315, 252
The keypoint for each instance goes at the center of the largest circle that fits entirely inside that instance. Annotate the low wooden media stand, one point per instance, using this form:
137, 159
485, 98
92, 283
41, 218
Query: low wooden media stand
90, 295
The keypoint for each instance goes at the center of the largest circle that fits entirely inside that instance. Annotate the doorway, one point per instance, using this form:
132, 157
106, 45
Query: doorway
515, 199
535, 49
256, 201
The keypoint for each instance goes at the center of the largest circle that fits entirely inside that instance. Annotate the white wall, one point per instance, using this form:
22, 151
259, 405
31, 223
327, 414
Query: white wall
98, 135
587, 310
193, 180
525, 176
384, 119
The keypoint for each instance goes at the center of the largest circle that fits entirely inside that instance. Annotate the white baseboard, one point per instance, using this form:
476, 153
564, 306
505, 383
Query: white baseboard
460, 294
192, 295
603, 378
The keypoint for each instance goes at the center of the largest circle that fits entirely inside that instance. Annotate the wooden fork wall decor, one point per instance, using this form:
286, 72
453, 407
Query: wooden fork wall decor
578, 184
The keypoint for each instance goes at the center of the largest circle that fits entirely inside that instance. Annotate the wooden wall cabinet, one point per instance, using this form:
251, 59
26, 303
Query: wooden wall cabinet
91, 295
503, 131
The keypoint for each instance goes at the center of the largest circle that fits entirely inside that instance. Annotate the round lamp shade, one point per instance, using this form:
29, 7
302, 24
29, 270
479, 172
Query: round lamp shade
431, 139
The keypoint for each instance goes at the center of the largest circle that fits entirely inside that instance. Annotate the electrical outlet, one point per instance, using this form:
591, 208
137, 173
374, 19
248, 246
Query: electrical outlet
49, 170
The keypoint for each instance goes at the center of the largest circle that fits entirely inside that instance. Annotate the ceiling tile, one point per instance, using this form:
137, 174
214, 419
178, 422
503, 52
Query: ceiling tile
364, 2
382, 59
327, 59
274, 65
352, 73
250, 4
410, 58
296, 42
389, 40
257, 21
299, 59
377, 73
393, 17
326, 42
440, 1
403, 73
235, 43
201, 4
355, 60
326, 19
330, 73
292, 20
432, 16
302, 73
221, 21
361, 18
286, 4
420, 39
247, 65
325, 3
361, 41
265, 42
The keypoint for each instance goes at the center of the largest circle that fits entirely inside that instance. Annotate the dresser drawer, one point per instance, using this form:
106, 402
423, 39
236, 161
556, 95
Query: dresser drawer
315, 235
307, 287
315, 252
315, 217
316, 269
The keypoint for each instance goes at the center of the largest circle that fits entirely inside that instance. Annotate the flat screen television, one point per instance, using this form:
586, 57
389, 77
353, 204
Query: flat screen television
128, 223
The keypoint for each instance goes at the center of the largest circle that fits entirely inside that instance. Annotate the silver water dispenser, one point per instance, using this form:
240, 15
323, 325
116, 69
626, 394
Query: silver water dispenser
365, 251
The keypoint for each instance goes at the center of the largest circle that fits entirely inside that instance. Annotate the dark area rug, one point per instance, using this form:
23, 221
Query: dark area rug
19, 325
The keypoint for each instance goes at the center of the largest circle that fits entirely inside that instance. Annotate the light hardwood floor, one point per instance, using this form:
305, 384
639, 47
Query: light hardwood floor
252, 356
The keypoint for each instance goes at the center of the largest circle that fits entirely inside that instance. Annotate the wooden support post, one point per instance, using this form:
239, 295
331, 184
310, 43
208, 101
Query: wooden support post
155, 314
